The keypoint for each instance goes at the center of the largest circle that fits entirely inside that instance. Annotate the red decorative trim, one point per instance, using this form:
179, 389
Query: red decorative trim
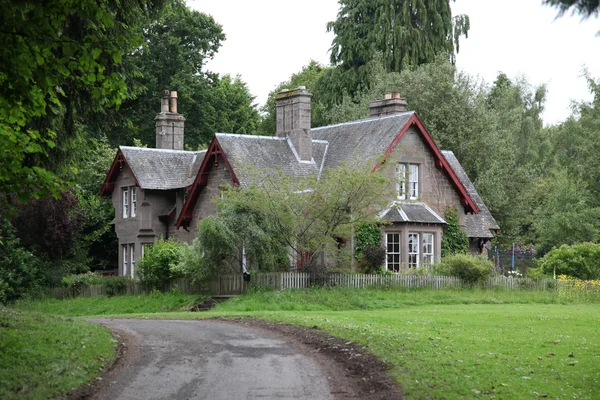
212, 154
440, 160
115, 169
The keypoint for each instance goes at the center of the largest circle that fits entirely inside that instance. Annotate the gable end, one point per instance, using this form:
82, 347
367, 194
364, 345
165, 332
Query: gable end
113, 173
211, 159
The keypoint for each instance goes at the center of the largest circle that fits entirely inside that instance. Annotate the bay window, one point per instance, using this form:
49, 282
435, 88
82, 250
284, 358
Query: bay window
428, 252
392, 245
413, 250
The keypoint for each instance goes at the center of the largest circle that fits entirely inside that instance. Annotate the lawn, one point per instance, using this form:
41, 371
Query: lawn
441, 344
43, 357
99, 306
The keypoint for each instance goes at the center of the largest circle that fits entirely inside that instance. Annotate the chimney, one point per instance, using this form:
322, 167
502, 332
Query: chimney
391, 103
169, 124
293, 120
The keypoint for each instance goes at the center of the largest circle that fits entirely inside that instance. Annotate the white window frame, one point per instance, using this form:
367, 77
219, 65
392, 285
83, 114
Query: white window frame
125, 260
132, 260
125, 202
413, 250
413, 181
401, 181
133, 191
393, 258
428, 248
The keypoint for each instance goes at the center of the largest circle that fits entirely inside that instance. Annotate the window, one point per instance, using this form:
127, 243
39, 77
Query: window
125, 260
393, 251
132, 253
145, 247
413, 181
125, 202
413, 250
133, 201
428, 257
401, 181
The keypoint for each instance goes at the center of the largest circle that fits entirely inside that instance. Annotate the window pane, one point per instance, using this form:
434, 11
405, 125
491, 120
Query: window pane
133, 201
400, 180
413, 250
125, 202
393, 251
413, 181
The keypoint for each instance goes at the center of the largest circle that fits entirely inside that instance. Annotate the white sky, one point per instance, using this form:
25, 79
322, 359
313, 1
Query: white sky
269, 40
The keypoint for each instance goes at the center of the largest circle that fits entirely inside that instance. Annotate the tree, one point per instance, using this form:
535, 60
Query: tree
309, 218
311, 77
407, 33
59, 61
178, 44
587, 8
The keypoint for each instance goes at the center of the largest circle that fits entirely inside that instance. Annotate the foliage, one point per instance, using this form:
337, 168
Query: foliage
579, 261
308, 216
113, 285
587, 8
372, 258
366, 235
59, 61
115, 305
577, 290
455, 240
20, 271
49, 227
470, 269
44, 357
178, 44
160, 261
407, 33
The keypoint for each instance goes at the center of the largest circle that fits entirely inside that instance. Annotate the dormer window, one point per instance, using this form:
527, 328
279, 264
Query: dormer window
411, 178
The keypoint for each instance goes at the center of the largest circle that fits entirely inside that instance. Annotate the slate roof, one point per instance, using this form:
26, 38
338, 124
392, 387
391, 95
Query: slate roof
476, 225
163, 169
361, 140
245, 152
410, 212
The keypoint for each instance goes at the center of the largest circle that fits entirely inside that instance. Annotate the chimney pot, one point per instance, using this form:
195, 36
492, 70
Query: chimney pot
387, 96
164, 103
174, 102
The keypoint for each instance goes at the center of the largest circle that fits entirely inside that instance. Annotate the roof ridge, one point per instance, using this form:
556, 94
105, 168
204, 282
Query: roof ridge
160, 150
360, 121
250, 136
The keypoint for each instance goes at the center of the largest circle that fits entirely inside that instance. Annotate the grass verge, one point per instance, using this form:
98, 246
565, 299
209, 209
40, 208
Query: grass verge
101, 306
42, 356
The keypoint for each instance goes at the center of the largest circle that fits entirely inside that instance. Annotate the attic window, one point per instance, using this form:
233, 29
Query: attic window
412, 180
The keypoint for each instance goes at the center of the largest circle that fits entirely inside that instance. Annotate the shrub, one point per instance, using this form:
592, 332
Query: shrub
470, 269
160, 262
372, 258
580, 261
367, 235
113, 285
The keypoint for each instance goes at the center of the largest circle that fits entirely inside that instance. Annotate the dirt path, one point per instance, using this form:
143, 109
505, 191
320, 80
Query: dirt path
236, 359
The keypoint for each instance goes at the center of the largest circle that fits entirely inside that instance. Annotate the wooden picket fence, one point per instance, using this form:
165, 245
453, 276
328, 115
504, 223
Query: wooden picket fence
235, 284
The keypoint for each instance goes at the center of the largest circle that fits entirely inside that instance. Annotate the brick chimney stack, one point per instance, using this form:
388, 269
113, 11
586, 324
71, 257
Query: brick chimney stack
169, 124
391, 103
293, 120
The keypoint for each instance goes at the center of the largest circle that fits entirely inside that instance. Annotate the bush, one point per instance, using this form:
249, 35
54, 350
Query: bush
455, 240
372, 258
367, 235
580, 261
113, 285
470, 269
160, 262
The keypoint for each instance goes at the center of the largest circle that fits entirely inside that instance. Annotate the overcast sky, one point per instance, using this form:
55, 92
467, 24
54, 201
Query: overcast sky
269, 40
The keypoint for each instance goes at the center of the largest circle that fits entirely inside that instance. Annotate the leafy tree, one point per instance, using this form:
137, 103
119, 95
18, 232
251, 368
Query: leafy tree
587, 8
160, 262
407, 33
278, 215
59, 60
310, 76
178, 43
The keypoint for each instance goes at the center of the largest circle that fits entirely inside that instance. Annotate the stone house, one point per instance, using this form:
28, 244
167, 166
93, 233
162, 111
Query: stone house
165, 191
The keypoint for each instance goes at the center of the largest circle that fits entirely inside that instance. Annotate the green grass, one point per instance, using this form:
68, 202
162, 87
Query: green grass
441, 344
42, 356
102, 306
334, 299
451, 344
